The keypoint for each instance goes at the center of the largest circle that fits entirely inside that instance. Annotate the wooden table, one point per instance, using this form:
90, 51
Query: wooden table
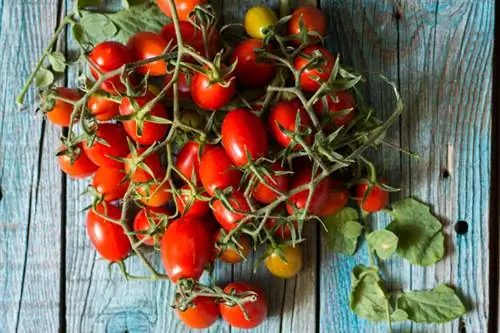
440, 54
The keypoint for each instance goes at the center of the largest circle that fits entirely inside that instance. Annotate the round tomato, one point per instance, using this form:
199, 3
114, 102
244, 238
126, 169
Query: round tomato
319, 196
151, 132
201, 314
143, 169
229, 252
147, 220
111, 183
339, 101
183, 7
82, 166
107, 57
183, 85
108, 238
60, 113
111, 142
146, 45
186, 247
243, 135
265, 193
338, 196
217, 171
226, 218
192, 36
258, 20
196, 207
313, 20
210, 95
256, 309
247, 65
321, 70
286, 264
284, 114
188, 159
375, 200
103, 109
152, 196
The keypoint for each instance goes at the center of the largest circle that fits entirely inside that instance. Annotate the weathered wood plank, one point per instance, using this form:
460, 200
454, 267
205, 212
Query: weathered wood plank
30, 210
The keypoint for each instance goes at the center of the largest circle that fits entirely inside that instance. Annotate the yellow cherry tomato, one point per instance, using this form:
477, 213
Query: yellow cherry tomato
258, 19
285, 268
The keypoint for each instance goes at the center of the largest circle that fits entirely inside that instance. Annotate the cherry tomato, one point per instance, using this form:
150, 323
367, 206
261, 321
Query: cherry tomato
321, 70
283, 228
258, 20
376, 200
340, 101
141, 170
319, 196
183, 7
146, 220
82, 166
60, 113
107, 57
226, 218
264, 193
114, 144
256, 310
145, 45
247, 65
151, 132
202, 314
313, 19
286, 267
188, 160
217, 171
212, 95
108, 238
111, 183
285, 113
193, 37
196, 207
183, 85
186, 248
103, 109
152, 196
229, 253
243, 133
338, 196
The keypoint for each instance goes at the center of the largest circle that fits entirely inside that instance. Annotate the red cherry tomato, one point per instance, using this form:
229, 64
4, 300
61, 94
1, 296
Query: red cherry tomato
376, 200
111, 183
313, 19
249, 71
319, 196
107, 57
196, 207
145, 45
183, 85
266, 194
108, 238
283, 229
103, 109
256, 310
60, 114
146, 220
339, 101
114, 144
212, 95
229, 254
285, 113
186, 248
338, 196
188, 160
193, 37
183, 7
152, 196
243, 133
151, 132
322, 70
226, 218
217, 171
82, 166
146, 169
202, 314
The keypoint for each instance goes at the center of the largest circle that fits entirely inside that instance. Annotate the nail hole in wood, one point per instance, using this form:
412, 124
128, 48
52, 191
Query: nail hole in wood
398, 13
446, 174
1, 194
461, 327
461, 227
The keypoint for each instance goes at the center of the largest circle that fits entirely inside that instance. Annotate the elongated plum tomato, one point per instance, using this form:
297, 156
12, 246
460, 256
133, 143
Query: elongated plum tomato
186, 248
338, 196
108, 238
229, 254
210, 95
141, 170
247, 65
111, 183
217, 171
201, 314
82, 166
286, 267
154, 194
284, 114
336, 102
265, 193
243, 133
314, 22
183, 7
188, 159
195, 207
258, 20
111, 143
376, 200
60, 113
107, 57
226, 218
319, 196
146, 220
183, 84
256, 310
321, 70
151, 131
146, 45
103, 109
193, 37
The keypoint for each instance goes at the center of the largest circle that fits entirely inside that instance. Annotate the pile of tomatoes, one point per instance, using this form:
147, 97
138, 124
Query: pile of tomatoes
250, 172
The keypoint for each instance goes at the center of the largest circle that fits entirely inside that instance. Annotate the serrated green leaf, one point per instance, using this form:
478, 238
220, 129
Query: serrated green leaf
97, 27
368, 297
383, 242
421, 238
343, 231
44, 78
79, 33
437, 305
57, 61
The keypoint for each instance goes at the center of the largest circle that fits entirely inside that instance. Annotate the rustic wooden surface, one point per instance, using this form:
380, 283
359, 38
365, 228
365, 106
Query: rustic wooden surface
440, 54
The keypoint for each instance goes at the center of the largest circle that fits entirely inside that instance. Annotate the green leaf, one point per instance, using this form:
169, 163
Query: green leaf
128, 3
437, 305
368, 298
44, 78
343, 231
383, 242
57, 61
80, 4
97, 27
399, 315
421, 238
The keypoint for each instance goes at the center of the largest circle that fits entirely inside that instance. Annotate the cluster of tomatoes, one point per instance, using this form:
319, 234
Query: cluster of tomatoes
227, 189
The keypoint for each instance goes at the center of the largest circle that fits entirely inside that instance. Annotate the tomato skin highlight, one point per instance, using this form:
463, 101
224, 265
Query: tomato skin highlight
226, 218
82, 166
257, 311
285, 269
141, 222
319, 196
140, 175
60, 114
230, 255
313, 19
264, 193
243, 133
110, 183
202, 314
152, 196
258, 19
108, 238
248, 67
342, 100
103, 109
187, 160
107, 57
217, 171
338, 196
183, 7
145, 45
284, 113
323, 73
375, 201
211, 96
198, 208
116, 138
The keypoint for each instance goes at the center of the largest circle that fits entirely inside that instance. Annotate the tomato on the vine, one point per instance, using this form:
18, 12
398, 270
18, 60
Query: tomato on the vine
82, 166
202, 313
284, 114
320, 71
249, 71
110, 143
338, 196
218, 172
243, 136
283, 228
264, 192
210, 95
226, 218
145, 45
183, 7
189, 157
111, 183
229, 253
192, 36
319, 195
60, 112
284, 262
101, 108
313, 20
154, 194
258, 20
108, 238
337, 102
141, 170
256, 310
147, 220
195, 207
375, 200
183, 84
107, 57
